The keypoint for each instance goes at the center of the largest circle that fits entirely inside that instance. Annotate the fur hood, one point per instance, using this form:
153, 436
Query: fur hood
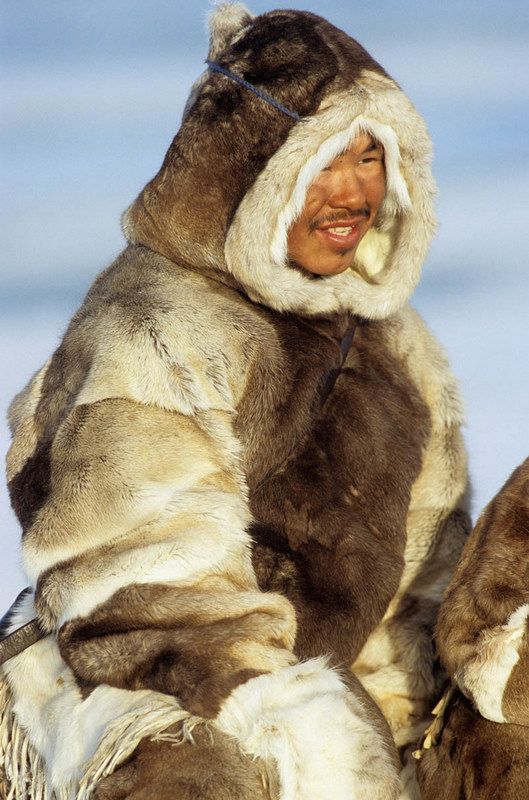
235, 177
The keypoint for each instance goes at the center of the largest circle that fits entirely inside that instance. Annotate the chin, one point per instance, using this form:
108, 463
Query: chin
323, 269
333, 269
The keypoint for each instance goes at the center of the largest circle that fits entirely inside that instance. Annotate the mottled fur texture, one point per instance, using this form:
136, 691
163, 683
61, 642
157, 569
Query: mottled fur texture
195, 518
476, 759
483, 639
482, 633
150, 772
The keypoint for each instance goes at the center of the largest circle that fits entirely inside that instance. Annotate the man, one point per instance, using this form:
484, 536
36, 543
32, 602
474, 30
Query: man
245, 452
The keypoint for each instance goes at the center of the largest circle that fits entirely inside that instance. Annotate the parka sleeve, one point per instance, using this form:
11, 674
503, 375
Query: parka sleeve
137, 543
134, 511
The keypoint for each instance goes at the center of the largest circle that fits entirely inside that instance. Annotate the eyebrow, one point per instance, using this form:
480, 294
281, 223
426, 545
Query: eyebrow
373, 146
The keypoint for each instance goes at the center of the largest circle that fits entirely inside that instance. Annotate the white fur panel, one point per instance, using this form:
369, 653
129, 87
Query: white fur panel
255, 244
303, 719
21, 418
175, 563
24, 404
62, 727
215, 540
171, 368
150, 523
484, 679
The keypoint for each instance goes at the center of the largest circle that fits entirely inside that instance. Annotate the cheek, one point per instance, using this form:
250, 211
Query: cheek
376, 191
315, 197
293, 239
299, 231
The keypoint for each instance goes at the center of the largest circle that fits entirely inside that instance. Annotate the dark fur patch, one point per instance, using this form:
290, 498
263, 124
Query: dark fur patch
475, 759
29, 489
330, 528
155, 637
210, 767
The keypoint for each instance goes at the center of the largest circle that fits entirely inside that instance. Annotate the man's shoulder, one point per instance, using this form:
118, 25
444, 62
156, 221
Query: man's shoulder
142, 299
142, 287
153, 331
408, 333
426, 361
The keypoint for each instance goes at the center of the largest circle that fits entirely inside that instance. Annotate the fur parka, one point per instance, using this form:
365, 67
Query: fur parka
483, 639
213, 539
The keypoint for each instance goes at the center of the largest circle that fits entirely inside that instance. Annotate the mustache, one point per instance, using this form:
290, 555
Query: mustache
337, 216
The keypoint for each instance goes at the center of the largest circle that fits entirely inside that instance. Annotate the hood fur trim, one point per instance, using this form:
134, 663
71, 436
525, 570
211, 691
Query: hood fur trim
389, 259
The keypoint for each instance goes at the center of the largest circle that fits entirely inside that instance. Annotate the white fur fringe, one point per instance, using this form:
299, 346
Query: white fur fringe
23, 775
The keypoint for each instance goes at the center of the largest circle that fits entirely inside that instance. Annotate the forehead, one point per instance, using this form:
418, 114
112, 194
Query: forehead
361, 143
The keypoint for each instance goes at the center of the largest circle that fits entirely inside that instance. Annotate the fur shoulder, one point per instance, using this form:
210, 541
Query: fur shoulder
159, 334
428, 365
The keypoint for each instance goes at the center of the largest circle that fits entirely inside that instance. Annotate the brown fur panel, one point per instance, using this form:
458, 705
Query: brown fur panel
209, 767
515, 701
490, 585
475, 759
30, 487
196, 643
397, 663
331, 530
281, 401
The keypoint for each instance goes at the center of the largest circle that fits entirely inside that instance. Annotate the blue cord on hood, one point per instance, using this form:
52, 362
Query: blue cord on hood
259, 92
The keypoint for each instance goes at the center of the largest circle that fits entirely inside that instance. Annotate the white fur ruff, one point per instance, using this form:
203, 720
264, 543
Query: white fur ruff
392, 252
303, 719
485, 678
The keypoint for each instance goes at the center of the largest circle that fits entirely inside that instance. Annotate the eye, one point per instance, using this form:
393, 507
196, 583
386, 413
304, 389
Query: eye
371, 158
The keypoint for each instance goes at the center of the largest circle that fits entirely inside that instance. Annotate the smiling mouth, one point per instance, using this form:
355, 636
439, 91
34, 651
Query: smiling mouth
339, 237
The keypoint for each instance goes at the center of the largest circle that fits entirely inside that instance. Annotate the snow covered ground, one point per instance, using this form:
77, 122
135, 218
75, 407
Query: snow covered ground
92, 94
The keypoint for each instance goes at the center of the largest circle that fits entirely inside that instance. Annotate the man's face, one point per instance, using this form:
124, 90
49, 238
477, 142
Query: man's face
340, 207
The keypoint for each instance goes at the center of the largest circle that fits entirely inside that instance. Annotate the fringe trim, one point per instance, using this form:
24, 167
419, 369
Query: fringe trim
23, 774
22, 770
123, 736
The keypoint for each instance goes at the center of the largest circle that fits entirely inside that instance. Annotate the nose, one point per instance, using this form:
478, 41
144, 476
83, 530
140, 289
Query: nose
346, 189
